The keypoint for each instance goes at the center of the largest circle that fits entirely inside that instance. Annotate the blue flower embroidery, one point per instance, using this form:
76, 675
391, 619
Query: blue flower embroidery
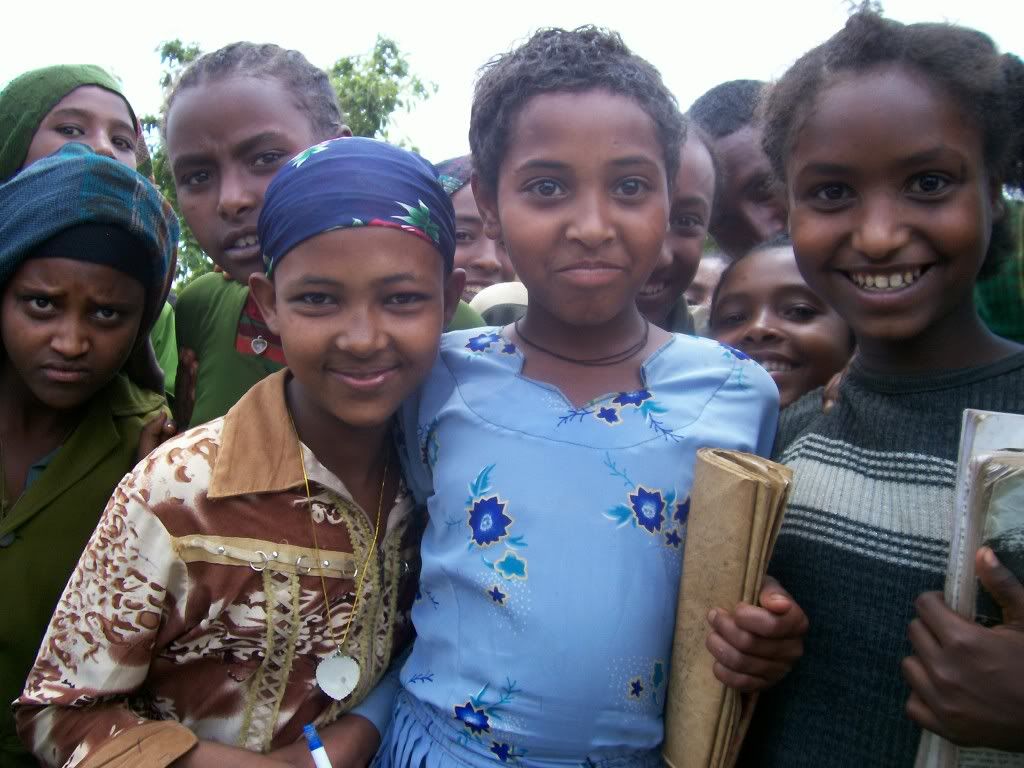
483, 342
511, 566
682, 511
508, 349
648, 508
488, 521
497, 595
632, 398
475, 720
672, 539
610, 415
501, 751
636, 688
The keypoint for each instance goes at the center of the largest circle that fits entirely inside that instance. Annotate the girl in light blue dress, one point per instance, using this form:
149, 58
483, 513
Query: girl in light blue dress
556, 455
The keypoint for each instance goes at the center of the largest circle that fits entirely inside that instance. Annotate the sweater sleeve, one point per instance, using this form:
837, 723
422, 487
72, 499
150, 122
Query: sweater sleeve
102, 637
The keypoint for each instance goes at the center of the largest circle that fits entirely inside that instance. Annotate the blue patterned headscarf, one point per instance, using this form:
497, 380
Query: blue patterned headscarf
455, 173
354, 182
76, 186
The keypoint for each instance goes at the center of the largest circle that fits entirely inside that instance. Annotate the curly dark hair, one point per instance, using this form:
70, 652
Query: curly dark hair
727, 107
988, 87
308, 85
573, 61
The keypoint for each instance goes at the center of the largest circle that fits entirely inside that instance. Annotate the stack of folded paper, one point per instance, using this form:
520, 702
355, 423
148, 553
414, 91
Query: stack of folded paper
736, 508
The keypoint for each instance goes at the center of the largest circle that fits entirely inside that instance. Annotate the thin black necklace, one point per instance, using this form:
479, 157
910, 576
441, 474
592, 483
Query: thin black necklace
617, 357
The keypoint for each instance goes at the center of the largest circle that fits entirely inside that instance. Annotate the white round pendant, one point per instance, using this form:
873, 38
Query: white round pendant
337, 675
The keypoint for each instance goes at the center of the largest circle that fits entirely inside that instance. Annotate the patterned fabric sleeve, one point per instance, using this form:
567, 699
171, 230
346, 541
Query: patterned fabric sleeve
103, 633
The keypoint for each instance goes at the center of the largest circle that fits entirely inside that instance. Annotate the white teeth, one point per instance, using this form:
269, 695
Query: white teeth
776, 366
892, 281
246, 242
650, 289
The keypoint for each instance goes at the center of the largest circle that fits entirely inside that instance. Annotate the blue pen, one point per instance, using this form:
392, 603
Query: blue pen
316, 747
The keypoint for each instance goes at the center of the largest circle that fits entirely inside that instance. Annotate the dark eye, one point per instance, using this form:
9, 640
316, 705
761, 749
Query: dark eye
39, 303
632, 187
405, 299
800, 313
929, 183
70, 130
122, 143
546, 188
195, 179
728, 319
462, 236
315, 299
267, 159
832, 195
107, 314
686, 222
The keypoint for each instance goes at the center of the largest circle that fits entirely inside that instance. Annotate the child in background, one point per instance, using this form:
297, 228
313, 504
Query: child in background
702, 287
763, 307
895, 142
234, 117
661, 299
751, 208
258, 566
548, 593
86, 246
44, 109
484, 260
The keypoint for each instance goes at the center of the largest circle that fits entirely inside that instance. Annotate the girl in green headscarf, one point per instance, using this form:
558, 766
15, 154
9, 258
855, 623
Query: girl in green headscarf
44, 109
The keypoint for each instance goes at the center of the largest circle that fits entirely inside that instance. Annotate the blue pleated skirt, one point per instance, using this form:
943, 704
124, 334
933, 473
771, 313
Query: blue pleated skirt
419, 737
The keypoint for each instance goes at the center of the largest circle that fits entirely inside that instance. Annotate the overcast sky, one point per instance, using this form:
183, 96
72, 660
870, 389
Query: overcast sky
694, 44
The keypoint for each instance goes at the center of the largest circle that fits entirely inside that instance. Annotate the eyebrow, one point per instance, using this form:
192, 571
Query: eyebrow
315, 280
246, 146
83, 114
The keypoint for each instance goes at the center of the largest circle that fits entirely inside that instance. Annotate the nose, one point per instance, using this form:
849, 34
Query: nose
486, 258
102, 145
591, 225
879, 233
237, 196
362, 336
70, 339
762, 327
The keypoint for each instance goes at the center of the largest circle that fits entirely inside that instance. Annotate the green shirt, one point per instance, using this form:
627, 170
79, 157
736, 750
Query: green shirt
1000, 298
207, 313
44, 532
165, 346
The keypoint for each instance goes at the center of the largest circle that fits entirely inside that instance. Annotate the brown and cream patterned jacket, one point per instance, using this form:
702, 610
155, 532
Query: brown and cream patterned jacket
198, 599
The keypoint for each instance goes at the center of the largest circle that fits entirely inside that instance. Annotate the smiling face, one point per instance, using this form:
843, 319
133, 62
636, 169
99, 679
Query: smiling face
360, 314
765, 309
581, 204
687, 228
88, 115
225, 140
751, 208
891, 209
486, 262
68, 327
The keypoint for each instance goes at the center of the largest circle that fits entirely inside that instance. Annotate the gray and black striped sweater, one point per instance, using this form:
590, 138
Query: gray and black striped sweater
867, 531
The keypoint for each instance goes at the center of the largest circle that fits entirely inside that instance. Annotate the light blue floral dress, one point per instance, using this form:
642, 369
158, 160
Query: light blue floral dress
553, 552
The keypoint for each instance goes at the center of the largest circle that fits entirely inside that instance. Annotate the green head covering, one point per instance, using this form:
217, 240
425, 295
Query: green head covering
28, 98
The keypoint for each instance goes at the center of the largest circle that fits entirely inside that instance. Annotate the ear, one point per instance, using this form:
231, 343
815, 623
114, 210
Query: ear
487, 204
454, 284
266, 298
344, 132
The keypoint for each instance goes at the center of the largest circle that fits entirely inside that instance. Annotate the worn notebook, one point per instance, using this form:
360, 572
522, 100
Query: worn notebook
989, 511
736, 508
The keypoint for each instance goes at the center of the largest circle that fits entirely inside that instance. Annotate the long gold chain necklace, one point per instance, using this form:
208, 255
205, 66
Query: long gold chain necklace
338, 674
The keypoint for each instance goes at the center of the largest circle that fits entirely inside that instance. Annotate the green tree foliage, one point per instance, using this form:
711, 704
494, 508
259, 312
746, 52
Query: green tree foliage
370, 88
192, 262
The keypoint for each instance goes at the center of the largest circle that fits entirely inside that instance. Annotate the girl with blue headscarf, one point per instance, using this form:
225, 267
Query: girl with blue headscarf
256, 572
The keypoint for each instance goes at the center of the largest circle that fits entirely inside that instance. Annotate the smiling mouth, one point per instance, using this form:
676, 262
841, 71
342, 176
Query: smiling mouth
244, 244
775, 366
652, 289
365, 380
886, 282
